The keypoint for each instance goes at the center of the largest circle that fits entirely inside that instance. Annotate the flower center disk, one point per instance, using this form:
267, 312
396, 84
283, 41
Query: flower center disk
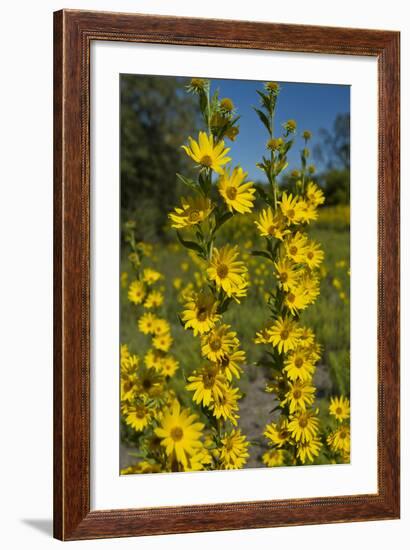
177, 433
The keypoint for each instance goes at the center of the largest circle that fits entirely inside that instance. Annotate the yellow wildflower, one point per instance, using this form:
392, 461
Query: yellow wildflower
237, 194
339, 408
180, 434
234, 453
193, 210
205, 153
136, 292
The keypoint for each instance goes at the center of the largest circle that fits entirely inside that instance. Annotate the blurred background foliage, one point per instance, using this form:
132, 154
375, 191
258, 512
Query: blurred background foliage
156, 117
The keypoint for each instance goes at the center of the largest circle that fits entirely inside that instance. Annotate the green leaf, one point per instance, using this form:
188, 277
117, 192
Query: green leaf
287, 146
181, 322
269, 246
203, 105
264, 119
261, 253
265, 100
215, 101
205, 183
220, 220
188, 182
224, 306
262, 193
275, 409
190, 244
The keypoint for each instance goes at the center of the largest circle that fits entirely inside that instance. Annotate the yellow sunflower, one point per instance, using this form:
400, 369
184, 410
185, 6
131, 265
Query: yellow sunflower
162, 342
290, 208
308, 450
227, 405
142, 467
200, 460
153, 359
200, 313
299, 365
205, 153
226, 270
136, 292
230, 363
129, 364
309, 285
150, 276
146, 323
339, 408
169, 365
307, 211
274, 457
193, 210
237, 194
234, 453
304, 425
295, 300
129, 361
284, 334
277, 433
161, 326
128, 385
154, 299
208, 384
263, 336
296, 247
272, 224
314, 194
339, 440
136, 415
180, 434
306, 337
299, 396
313, 255
218, 343
286, 273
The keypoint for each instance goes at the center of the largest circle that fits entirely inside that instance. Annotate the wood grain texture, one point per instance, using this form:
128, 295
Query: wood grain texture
73, 32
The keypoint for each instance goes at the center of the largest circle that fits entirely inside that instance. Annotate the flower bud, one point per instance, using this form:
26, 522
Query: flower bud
272, 87
227, 105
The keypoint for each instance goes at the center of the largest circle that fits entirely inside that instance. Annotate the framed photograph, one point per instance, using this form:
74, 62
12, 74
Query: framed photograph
226, 275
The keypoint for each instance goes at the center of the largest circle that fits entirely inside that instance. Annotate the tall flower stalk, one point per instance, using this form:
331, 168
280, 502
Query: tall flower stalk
292, 352
218, 193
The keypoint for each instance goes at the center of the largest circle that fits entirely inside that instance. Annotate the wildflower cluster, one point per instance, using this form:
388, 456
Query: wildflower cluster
338, 439
294, 437
169, 437
212, 202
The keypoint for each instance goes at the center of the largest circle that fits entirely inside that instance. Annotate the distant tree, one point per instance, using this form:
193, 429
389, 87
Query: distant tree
156, 116
334, 149
336, 186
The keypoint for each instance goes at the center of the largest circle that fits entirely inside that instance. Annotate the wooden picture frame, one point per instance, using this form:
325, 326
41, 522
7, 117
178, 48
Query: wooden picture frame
74, 32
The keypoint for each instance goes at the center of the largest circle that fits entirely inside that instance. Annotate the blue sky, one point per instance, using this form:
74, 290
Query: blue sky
313, 106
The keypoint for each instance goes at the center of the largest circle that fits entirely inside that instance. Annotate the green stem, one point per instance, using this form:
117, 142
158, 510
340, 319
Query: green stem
272, 178
208, 103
